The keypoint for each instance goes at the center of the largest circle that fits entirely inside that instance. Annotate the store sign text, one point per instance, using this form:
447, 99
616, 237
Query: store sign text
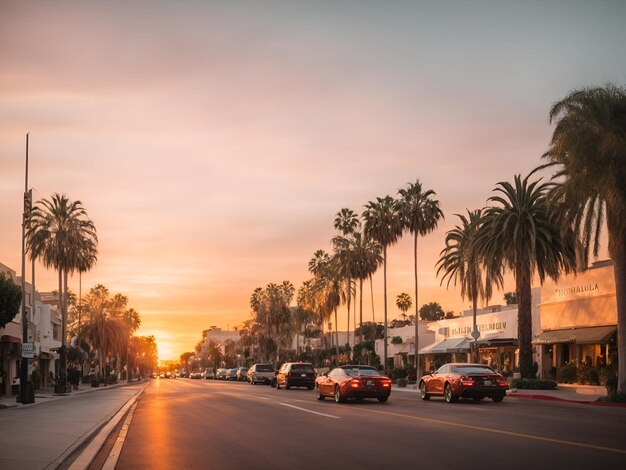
566, 291
466, 330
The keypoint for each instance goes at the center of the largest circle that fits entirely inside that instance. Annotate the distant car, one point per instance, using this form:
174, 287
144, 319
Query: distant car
295, 374
231, 374
220, 374
460, 380
208, 374
353, 381
261, 373
242, 374
195, 375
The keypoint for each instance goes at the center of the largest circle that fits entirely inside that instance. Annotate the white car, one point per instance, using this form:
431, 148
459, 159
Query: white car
261, 373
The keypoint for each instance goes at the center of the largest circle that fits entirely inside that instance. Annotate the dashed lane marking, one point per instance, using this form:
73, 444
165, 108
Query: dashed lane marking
309, 411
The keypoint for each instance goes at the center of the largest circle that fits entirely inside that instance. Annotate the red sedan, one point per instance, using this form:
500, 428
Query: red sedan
459, 380
353, 381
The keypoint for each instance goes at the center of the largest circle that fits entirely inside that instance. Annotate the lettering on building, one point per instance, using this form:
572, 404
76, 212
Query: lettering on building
567, 291
466, 330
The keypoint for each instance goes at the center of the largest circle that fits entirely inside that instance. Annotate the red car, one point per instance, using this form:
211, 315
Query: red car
459, 380
353, 381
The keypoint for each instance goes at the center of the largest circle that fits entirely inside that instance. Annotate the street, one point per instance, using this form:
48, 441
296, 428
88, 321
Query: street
183, 423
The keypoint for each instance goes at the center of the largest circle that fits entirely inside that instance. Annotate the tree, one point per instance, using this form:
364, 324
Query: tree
522, 232
510, 298
588, 149
420, 216
449, 315
431, 312
63, 237
10, 299
383, 224
404, 303
360, 256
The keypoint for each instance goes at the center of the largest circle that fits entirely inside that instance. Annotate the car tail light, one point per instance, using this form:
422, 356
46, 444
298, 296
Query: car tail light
502, 381
467, 381
354, 383
386, 383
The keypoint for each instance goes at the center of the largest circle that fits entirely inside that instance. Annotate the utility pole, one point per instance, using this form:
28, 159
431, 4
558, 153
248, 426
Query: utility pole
24, 395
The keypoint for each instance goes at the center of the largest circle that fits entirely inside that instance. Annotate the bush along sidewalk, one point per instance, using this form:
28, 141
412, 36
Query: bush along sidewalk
533, 384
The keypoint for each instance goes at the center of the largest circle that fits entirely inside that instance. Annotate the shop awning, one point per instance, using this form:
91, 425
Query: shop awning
10, 339
588, 335
494, 339
450, 345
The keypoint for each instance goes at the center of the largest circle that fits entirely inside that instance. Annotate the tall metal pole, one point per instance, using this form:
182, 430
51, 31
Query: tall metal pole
24, 398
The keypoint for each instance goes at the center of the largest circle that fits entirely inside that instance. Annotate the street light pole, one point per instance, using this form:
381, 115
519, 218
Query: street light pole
24, 395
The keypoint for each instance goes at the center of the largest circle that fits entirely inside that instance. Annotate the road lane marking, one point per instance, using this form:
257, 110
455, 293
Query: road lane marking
309, 411
505, 433
241, 395
114, 455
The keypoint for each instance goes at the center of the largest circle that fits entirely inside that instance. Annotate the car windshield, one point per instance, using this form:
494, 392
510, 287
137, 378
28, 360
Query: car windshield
302, 368
473, 369
361, 372
263, 368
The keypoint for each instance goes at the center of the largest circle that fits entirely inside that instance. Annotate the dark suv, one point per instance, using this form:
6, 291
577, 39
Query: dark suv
296, 374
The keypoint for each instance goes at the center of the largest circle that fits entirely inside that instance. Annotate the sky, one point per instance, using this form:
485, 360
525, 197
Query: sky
213, 142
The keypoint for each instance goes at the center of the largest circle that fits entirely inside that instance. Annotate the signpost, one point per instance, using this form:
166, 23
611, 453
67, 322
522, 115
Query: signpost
28, 350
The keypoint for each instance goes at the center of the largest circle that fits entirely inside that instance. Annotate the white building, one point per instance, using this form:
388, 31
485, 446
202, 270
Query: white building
403, 353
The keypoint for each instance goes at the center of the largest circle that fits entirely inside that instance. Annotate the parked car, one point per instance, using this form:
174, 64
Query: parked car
261, 373
195, 375
208, 374
353, 381
242, 374
295, 374
460, 380
221, 374
231, 374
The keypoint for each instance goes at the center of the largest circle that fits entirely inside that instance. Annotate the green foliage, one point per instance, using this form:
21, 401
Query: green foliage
112, 379
398, 373
10, 299
614, 398
534, 384
510, 298
402, 382
567, 373
431, 312
370, 331
396, 340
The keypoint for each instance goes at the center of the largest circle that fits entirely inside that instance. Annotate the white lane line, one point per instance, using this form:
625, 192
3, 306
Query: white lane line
240, 395
309, 411
114, 455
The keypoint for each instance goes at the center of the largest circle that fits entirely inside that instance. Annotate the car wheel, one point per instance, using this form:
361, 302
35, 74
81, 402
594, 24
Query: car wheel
273, 383
338, 397
310, 387
423, 394
318, 394
498, 398
277, 385
383, 399
287, 386
448, 395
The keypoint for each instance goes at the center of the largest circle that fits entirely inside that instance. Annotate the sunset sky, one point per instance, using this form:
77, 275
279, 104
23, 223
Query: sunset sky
213, 142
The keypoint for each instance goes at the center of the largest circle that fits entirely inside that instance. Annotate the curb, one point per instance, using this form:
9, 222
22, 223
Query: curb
565, 400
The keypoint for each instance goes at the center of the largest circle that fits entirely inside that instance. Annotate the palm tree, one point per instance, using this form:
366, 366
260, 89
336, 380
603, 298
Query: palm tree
588, 147
361, 257
327, 287
522, 232
347, 221
404, 303
383, 223
64, 238
460, 263
420, 214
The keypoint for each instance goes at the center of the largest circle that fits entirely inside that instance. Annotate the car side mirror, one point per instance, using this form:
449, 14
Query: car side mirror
432, 372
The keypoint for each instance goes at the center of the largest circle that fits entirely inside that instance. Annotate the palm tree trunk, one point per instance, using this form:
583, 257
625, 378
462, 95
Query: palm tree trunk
336, 333
416, 347
619, 266
361, 307
524, 321
372, 293
63, 362
385, 310
349, 299
473, 348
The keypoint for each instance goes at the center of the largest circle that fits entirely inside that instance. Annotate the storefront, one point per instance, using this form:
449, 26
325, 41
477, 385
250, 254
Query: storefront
496, 345
578, 317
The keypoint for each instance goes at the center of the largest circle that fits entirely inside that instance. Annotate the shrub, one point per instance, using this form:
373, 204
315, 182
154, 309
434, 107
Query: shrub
398, 373
112, 378
567, 374
402, 383
534, 384
614, 398
396, 340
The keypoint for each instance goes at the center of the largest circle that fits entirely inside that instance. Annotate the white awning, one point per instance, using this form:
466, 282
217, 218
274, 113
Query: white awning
450, 345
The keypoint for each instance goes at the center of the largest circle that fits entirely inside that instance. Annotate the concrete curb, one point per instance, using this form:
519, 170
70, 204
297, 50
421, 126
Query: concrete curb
566, 400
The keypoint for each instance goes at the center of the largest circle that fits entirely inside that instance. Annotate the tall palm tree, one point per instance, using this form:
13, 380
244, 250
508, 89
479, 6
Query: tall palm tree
327, 287
64, 238
522, 232
404, 303
588, 147
420, 214
361, 256
383, 223
461, 264
347, 221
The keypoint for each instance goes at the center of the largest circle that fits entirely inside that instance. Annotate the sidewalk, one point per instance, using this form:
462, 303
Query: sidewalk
572, 393
42, 435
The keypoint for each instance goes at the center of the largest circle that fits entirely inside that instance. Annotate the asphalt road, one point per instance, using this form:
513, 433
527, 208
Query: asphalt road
184, 423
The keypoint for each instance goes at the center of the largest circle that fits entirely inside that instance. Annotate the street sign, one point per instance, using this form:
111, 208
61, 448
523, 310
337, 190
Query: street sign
28, 350
475, 334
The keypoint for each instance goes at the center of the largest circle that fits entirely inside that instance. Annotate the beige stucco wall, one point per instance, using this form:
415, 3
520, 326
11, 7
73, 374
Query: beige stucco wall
586, 299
